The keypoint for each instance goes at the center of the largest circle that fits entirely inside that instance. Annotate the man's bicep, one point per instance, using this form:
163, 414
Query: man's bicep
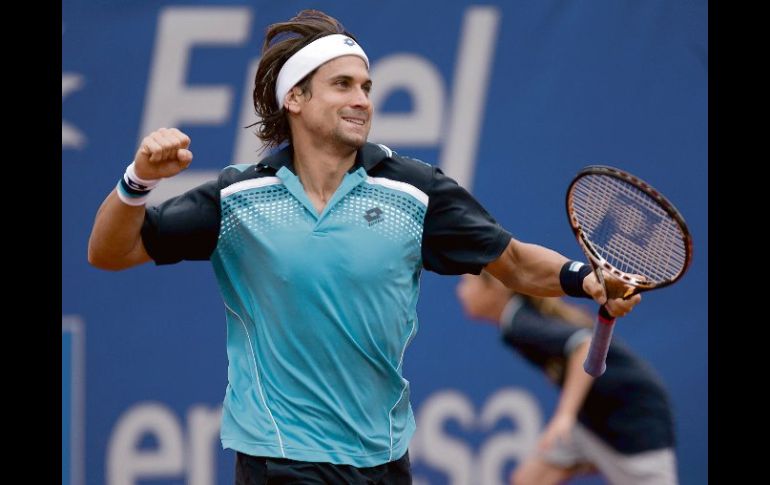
504, 267
140, 255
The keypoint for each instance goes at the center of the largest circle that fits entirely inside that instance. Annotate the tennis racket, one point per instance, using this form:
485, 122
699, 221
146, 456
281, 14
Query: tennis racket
628, 229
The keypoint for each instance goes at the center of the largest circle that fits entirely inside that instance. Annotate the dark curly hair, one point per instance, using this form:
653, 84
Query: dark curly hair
283, 40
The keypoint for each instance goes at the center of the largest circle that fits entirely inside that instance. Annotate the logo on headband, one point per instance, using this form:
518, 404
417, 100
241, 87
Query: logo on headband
349, 41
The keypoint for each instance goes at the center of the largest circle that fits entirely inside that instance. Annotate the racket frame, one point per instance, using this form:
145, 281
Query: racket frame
595, 363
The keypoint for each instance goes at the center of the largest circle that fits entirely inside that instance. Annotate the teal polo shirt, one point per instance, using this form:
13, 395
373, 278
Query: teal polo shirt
321, 307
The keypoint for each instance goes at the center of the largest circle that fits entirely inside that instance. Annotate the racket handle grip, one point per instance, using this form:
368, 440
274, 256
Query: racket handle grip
595, 364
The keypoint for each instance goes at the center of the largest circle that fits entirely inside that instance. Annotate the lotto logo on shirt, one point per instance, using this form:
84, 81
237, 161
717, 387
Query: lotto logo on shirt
373, 216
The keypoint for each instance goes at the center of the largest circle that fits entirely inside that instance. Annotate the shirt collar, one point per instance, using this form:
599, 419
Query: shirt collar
367, 156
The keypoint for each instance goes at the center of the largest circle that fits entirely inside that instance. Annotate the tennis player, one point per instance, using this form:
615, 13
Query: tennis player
318, 251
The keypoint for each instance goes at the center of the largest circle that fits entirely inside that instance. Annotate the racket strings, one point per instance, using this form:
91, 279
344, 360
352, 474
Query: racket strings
628, 228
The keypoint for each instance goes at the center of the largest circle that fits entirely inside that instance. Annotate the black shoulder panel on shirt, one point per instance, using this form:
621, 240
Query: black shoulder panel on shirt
459, 235
405, 169
184, 227
238, 173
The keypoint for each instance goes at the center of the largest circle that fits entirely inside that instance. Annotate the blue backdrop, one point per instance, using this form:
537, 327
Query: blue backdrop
510, 98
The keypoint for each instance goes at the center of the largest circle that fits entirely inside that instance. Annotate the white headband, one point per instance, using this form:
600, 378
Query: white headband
304, 61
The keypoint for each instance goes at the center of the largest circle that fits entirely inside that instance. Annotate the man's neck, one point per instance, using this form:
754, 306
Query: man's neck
321, 170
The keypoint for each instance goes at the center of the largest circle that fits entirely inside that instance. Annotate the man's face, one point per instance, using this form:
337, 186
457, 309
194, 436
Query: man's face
339, 109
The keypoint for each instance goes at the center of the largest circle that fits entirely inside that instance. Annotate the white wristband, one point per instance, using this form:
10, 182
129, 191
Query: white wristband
139, 183
133, 190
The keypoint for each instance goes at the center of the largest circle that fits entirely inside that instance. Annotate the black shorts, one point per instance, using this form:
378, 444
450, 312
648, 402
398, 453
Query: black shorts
254, 470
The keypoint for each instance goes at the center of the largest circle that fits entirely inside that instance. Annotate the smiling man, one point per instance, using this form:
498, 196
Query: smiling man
318, 251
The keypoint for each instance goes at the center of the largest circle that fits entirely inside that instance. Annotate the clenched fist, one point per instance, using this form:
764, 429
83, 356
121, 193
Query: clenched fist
163, 153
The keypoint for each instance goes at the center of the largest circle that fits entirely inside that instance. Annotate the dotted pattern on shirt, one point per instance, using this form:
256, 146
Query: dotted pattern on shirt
258, 211
401, 217
261, 210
